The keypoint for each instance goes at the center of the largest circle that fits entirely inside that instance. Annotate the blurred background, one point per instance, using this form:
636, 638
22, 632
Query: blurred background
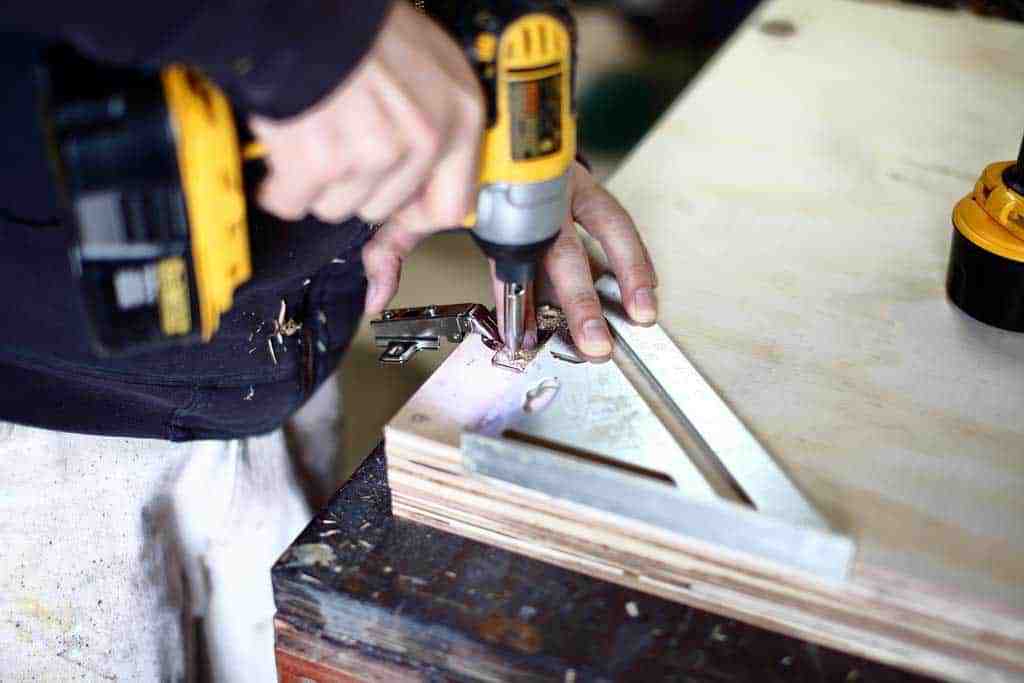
635, 58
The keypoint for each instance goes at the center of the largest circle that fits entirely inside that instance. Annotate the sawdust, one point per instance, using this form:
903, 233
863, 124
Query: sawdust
310, 554
513, 361
279, 328
550, 322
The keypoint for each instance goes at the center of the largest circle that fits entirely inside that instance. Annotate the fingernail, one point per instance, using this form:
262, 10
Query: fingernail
645, 305
595, 338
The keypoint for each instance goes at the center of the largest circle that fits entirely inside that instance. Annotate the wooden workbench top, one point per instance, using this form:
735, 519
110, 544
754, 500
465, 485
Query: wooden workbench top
797, 204
365, 596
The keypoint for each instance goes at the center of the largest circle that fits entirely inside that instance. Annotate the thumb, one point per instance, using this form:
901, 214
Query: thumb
382, 261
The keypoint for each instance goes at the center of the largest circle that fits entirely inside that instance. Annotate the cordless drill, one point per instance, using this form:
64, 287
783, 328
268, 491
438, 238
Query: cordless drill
523, 52
149, 165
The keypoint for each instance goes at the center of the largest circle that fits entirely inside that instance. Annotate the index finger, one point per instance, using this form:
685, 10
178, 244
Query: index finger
601, 215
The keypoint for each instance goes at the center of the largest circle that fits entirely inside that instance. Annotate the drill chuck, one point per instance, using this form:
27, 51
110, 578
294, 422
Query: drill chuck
517, 223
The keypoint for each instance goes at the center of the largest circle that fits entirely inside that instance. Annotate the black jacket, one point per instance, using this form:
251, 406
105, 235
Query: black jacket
273, 58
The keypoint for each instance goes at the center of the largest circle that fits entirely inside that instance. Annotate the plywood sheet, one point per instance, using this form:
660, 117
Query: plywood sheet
797, 204
877, 612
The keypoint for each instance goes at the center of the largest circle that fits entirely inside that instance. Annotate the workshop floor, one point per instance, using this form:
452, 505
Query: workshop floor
449, 268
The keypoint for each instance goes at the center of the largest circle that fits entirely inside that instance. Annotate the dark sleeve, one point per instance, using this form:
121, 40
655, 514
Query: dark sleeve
272, 57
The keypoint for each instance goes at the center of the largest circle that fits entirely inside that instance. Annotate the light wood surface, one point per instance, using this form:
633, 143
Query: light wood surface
880, 614
797, 204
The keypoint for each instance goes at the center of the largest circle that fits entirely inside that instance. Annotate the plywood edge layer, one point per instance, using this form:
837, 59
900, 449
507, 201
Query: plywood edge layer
584, 539
750, 609
878, 590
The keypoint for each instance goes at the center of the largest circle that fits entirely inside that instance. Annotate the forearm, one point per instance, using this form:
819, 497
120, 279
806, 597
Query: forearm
273, 57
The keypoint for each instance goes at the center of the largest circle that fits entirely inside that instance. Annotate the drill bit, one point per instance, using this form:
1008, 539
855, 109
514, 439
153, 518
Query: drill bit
515, 317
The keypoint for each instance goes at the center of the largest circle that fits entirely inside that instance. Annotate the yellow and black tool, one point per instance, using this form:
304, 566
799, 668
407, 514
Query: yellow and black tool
149, 164
986, 262
523, 52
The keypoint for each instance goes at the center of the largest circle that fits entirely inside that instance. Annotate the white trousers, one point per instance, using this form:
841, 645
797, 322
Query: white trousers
145, 560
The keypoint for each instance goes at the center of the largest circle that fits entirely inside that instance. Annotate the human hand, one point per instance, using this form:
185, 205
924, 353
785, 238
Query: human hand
568, 271
399, 136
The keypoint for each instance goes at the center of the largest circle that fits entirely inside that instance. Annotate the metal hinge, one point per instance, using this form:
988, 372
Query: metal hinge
403, 332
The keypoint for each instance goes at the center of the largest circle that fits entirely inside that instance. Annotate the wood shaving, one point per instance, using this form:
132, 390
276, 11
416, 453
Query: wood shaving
289, 328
